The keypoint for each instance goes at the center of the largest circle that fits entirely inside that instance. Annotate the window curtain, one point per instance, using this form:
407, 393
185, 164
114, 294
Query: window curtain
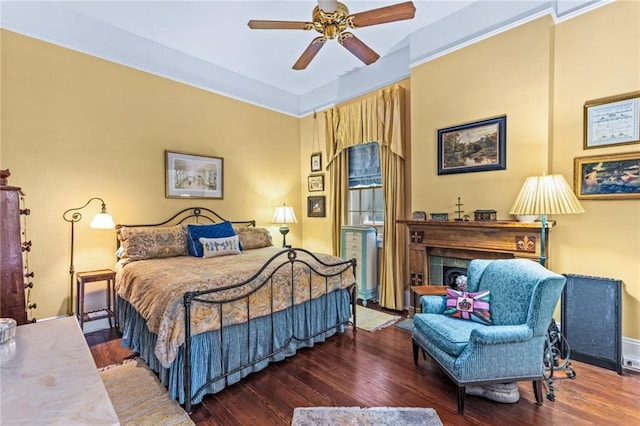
378, 118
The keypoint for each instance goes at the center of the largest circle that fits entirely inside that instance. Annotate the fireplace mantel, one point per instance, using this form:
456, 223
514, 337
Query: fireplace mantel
504, 239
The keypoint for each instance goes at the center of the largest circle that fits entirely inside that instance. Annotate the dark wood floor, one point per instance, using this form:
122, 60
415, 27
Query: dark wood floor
376, 369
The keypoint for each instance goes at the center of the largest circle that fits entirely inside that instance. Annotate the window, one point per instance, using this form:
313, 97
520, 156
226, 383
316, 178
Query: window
366, 203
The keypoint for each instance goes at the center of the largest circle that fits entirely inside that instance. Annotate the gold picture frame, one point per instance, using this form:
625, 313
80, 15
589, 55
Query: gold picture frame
607, 177
614, 120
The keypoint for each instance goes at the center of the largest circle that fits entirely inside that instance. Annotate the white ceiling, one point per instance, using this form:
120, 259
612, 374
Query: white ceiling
207, 44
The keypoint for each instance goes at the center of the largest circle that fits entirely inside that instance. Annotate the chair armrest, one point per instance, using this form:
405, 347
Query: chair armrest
433, 304
500, 334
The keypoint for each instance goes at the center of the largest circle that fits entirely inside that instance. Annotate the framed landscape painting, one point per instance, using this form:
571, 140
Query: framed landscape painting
473, 147
607, 177
193, 176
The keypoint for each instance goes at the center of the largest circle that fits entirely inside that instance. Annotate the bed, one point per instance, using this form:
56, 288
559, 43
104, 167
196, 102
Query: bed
203, 320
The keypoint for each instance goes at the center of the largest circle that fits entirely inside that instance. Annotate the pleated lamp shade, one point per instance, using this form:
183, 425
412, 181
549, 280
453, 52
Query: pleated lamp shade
544, 195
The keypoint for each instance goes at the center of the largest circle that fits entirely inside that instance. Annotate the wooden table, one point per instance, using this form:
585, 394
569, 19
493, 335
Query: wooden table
108, 276
49, 378
423, 290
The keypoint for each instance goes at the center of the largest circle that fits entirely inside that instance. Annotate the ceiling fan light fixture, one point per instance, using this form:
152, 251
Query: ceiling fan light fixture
331, 19
328, 6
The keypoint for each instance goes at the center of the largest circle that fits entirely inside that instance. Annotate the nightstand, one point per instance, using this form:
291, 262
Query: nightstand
109, 311
423, 290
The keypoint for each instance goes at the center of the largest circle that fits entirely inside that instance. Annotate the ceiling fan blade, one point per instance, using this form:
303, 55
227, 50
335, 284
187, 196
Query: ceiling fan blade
279, 25
358, 48
396, 12
309, 53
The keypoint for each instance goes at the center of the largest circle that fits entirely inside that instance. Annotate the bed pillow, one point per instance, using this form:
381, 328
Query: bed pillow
213, 247
253, 238
469, 306
139, 243
214, 230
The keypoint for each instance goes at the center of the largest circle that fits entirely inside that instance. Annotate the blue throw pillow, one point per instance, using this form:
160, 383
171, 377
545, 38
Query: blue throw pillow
215, 230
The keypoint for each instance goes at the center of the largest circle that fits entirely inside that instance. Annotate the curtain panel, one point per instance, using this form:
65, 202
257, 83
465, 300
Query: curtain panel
378, 118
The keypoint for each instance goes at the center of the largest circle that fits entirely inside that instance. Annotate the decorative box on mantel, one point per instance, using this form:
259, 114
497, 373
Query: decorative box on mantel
484, 215
499, 239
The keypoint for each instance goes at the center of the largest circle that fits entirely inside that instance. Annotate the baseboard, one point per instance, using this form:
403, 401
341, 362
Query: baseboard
88, 326
631, 353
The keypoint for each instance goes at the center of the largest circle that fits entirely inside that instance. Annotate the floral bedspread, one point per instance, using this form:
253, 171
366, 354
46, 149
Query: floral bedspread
154, 287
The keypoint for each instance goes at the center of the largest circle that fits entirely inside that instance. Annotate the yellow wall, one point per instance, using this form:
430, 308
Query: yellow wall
597, 55
539, 75
76, 127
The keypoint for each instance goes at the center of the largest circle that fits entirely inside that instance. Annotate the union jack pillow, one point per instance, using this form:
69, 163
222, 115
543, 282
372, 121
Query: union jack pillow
469, 306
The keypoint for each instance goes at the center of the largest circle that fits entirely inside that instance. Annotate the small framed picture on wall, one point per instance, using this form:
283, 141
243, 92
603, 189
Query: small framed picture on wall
316, 162
316, 206
315, 183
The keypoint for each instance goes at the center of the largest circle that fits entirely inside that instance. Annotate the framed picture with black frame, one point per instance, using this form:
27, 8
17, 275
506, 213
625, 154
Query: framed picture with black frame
316, 162
473, 147
315, 183
316, 206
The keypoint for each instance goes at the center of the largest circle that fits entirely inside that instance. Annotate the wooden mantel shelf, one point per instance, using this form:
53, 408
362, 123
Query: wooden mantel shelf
477, 223
509, 237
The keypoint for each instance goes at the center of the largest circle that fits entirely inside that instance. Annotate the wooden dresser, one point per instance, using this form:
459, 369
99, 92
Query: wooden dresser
359, 242
12, 275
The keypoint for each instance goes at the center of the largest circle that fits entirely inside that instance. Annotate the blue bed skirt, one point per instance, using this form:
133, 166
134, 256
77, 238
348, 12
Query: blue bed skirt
243, 348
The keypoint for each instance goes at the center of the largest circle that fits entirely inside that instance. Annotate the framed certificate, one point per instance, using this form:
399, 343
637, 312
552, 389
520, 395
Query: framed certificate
614, 120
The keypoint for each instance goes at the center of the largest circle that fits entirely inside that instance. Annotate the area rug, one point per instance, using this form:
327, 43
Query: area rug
138, 397
406, 324
372, 320
356, 416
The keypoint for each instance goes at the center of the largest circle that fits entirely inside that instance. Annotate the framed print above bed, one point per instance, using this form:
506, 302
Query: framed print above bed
193, 176
473, 147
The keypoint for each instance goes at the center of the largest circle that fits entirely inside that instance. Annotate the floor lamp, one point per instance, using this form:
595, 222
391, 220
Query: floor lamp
543, 195
102, 220
284, 215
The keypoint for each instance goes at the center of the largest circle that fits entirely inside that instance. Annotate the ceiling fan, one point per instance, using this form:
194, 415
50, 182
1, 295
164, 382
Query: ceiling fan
331, 19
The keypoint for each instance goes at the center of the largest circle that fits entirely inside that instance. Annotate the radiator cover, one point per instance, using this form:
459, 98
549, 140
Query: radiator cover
591, 320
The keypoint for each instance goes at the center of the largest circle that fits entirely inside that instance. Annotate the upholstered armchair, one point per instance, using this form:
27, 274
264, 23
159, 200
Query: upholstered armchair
484, 338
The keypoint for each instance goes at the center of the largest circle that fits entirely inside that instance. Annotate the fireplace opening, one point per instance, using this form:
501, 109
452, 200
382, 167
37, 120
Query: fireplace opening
453, 276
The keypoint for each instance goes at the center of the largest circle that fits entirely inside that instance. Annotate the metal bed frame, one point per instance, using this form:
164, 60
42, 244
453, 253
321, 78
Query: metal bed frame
287, 258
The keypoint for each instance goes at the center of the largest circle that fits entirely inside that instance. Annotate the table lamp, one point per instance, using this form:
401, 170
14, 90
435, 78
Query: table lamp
543, 195
284, 215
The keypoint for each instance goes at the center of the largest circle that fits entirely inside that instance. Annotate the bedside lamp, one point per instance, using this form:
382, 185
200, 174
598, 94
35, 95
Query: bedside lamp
543, 195
284, 215
102, 220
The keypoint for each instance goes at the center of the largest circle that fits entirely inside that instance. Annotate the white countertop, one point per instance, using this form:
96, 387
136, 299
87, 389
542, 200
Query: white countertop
48, 377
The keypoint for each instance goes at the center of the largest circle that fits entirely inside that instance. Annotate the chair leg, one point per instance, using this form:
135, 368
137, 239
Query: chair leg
415, 352
461, 396
537, 391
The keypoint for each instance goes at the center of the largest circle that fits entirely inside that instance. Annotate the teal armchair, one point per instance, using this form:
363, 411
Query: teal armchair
523, 296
